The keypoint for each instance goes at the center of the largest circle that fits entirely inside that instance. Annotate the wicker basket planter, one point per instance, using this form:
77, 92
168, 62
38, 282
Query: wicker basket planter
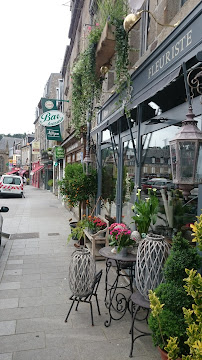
82, 271
151, 255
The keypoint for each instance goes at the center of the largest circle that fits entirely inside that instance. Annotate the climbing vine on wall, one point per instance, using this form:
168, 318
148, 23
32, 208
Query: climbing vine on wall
86, 85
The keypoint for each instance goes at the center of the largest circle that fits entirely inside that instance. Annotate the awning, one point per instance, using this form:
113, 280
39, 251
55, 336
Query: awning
157, 85
110, 120
140, 95
21, 172
39, 168
12, 172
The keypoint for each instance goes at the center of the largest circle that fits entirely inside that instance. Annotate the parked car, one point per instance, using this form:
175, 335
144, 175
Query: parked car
158, 183
11, 185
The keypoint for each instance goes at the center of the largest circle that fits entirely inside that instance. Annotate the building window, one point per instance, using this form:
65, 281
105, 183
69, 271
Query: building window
153, 160
144, 28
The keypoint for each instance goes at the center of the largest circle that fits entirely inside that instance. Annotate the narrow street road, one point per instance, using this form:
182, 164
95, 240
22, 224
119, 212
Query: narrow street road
34, 291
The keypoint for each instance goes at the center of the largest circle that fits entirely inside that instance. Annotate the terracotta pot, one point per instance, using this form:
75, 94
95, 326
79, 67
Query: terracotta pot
164, 355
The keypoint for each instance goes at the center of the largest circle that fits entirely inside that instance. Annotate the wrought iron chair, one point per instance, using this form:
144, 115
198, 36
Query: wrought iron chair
87, 298
138, 302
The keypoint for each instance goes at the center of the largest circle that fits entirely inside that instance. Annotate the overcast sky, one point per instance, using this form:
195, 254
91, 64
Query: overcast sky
34, 35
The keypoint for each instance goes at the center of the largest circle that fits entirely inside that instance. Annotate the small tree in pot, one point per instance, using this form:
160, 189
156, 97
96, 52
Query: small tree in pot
78, 187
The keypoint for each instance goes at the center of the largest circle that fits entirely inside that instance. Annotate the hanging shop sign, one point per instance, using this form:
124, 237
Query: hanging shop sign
35, 147
48, 104
53, 133
59, 152
51, 118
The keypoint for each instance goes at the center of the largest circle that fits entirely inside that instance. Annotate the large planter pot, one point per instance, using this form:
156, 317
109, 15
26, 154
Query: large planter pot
82, 271
164, 355
151, 255
72, 226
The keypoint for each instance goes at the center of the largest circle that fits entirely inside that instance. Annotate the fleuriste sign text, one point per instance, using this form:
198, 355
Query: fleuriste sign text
51, 118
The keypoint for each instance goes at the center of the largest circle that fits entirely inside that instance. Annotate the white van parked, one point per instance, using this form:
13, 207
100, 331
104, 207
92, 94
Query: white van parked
11, 185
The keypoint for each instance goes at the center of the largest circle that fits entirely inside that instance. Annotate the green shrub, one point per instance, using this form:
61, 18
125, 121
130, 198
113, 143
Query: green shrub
173, 295
50, 182
182, 256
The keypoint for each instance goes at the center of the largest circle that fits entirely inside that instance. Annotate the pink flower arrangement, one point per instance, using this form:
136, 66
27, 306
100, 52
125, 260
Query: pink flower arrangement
120, 236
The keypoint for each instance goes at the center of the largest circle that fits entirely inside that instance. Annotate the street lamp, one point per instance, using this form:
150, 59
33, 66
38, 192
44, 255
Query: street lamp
186, 155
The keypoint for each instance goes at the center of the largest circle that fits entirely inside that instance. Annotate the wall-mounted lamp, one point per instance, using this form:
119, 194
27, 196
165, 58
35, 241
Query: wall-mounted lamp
132, 19
104, 70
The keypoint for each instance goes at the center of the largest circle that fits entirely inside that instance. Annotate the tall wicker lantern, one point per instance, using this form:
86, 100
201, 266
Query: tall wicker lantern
82, 271
151, 255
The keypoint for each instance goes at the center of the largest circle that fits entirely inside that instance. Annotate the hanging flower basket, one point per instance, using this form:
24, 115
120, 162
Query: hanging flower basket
151, 255
82, 271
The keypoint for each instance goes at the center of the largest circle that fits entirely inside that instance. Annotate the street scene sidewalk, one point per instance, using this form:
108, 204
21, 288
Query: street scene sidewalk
34, 291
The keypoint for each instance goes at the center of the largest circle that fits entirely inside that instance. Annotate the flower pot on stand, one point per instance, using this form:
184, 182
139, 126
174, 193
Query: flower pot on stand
164, 355
151, 255
123, 252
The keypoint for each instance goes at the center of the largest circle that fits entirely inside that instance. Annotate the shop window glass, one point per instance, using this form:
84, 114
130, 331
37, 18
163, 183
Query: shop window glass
109, 181
128, 187
160, 177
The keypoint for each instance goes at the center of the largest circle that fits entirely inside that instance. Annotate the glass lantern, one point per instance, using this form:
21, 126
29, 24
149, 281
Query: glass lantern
186, 155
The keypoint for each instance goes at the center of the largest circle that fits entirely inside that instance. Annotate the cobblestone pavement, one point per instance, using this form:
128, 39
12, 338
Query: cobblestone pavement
34, 291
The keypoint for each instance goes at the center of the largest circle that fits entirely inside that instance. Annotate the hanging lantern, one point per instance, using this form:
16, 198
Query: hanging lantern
151, 255
186, 155
82, 271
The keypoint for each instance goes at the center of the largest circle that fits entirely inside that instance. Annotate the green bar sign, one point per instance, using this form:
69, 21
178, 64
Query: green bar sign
59, 152
53, 133
48, 104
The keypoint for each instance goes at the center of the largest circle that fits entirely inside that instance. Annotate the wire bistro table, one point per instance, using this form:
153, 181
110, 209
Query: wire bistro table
117, 294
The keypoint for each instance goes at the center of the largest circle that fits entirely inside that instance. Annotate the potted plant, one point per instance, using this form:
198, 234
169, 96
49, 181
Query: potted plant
95, 224
120, 237
172, 294
77, 187
77, 232
192, 317
146, 211
50, 183
197, 231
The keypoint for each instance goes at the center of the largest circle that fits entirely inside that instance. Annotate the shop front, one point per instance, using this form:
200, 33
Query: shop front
133, 139
37, 175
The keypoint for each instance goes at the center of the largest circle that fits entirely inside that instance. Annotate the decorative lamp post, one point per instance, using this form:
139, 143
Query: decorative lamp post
186, 155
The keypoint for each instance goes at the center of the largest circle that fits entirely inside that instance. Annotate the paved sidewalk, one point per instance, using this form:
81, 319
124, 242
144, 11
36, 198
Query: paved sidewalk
34, 292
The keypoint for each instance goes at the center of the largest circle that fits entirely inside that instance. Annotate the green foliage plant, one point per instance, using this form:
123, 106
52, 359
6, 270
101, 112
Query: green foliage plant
192, 319
172, 296
146, 211
85, 83
50, 182
114, 12
197, 232
77, 186
78, 231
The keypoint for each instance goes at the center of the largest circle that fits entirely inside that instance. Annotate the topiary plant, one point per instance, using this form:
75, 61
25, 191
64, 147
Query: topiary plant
173, 295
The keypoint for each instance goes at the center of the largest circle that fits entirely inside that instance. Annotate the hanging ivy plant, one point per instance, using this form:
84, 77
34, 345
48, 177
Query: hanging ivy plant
115, 12
86, 85
122, 57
